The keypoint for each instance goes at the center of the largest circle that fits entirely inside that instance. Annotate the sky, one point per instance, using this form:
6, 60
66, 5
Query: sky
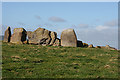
94, 22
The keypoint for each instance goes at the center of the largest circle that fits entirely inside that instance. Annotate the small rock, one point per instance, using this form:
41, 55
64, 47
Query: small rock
90, 46
25, 42
107, 46
98, 47
85, 45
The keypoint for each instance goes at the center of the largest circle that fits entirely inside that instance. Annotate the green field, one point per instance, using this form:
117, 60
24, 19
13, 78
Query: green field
35, 61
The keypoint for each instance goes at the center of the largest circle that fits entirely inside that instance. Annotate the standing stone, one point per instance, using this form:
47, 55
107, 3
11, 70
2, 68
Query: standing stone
53, 37
19, 35
68, 38
7, 35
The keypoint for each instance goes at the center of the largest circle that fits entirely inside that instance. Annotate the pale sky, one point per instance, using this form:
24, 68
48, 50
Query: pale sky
94, 22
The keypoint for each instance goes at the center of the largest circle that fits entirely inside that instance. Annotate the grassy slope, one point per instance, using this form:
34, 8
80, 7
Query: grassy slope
35, 61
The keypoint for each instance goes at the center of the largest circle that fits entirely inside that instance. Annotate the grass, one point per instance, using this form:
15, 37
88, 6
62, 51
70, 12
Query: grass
35, 61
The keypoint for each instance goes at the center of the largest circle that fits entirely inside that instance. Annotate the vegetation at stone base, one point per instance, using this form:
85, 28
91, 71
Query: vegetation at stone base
35, 61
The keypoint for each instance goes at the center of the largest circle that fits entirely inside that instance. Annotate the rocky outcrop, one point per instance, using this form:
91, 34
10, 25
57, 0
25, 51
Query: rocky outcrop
19, 35
43, 37
39, 36
68, 38
7, 35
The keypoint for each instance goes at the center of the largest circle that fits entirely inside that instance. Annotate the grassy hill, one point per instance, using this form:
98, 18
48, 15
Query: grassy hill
35, 61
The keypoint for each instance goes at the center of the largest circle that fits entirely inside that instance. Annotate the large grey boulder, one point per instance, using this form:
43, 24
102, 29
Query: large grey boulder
39, 36
68, 38
19, 35
7, 35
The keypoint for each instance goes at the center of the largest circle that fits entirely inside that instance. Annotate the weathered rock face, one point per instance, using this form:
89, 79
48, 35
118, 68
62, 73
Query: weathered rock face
57, 42
43, 37
68, 38
29, 34
39, 36
79, 43
90, 46
19, 35
7, 35
53, 37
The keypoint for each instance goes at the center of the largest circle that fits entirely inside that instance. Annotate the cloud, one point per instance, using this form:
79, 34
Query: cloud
100, 27
107, 25
73, 26
37, 17
56, 19
48, 24
83, 25
98, 38
21, 23
97, 20
111, 23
